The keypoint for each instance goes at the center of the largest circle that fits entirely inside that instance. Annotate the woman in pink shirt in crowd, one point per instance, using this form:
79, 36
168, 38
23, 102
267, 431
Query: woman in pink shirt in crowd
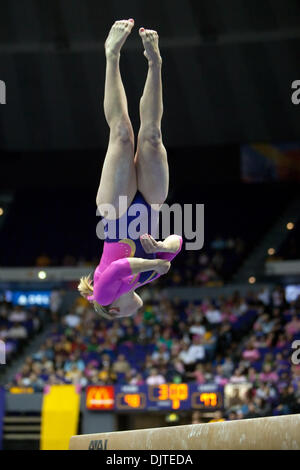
251, 353
198, 374
293, 327
267, 375
130, 183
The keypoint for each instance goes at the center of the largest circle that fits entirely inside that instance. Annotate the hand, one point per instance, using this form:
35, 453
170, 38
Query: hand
163, 266
149, 244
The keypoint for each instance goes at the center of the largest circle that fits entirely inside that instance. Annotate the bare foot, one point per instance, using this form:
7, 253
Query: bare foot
150, 245
150, 41
117, 36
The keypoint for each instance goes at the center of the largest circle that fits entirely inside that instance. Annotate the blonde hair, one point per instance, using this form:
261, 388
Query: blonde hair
86, 289
85, 286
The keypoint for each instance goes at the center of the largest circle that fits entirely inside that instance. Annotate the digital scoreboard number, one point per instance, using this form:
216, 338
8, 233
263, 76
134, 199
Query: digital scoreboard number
168, 397
171, 395
133, 401
164, 397
206, 400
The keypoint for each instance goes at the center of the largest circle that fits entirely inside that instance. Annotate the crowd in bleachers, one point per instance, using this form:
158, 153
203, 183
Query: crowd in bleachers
232, 340
18, 325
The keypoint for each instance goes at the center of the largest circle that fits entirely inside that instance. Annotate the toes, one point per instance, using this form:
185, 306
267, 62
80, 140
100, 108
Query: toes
146, 243
130, 23
148, 33
125, 23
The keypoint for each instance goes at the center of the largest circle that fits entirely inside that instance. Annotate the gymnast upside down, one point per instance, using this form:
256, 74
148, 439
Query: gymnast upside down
142, 176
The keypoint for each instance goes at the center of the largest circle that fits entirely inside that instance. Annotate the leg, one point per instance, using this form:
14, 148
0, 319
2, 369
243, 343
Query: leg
151, 157
118, 173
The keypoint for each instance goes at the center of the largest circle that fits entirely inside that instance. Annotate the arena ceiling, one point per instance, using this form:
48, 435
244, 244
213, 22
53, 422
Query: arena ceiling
228, 69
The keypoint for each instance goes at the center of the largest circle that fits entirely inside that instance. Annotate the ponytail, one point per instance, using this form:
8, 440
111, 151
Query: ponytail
85, 286
86, 289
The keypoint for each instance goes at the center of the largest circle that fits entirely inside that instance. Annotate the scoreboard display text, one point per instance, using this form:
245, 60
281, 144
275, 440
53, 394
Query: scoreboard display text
154, 398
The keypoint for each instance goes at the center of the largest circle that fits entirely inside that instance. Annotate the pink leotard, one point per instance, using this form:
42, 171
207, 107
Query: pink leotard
113, 277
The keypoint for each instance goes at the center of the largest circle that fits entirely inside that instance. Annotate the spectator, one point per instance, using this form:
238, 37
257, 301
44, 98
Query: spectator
238, 377
287, 401
293, 327
55, 301
196, 351
17, 315
18, 331
155, 378
213, 315
218, 417
161, 355
121, 365
197, 328
267, 375
252, 411
220, 378
198, 375
251, 353
72, 320
196, 418
106, 375
137, 380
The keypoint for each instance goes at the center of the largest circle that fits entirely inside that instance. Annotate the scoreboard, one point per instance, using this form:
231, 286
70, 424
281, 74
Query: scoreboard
165, 397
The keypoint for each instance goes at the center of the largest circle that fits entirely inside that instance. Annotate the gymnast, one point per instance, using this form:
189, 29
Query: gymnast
143, 177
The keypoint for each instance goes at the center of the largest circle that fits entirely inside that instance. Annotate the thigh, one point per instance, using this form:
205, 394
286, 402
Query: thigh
152, 172
118, 176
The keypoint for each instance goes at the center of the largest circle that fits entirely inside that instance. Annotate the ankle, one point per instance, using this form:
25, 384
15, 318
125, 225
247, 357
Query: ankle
157, 62
111, 55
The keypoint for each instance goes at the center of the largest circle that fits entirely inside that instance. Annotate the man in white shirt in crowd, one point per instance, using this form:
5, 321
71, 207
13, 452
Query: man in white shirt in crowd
197, 328
213, 315
193, 353
72, 320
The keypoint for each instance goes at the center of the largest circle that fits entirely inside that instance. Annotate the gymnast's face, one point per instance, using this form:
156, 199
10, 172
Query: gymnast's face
126, 306
126, 311
114, 311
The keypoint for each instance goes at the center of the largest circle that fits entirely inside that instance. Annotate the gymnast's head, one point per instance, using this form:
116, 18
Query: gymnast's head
126, 306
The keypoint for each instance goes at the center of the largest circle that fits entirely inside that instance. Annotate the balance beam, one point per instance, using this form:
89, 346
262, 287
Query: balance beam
272, 433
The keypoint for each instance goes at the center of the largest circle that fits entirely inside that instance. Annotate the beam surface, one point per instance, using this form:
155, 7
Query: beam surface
271, 433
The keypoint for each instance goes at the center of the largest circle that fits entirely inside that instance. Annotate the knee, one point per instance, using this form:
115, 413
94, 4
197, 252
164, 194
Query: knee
122, 131
152, 135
